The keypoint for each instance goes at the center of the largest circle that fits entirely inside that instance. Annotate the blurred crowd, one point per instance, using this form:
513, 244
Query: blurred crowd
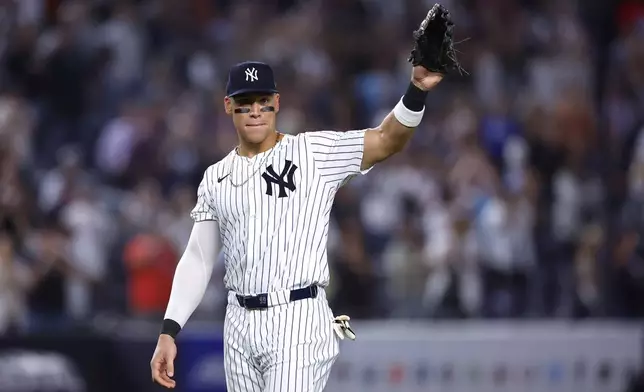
521, 195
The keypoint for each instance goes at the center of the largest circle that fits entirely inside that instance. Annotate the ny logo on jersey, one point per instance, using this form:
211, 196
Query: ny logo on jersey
284, 180
251, 74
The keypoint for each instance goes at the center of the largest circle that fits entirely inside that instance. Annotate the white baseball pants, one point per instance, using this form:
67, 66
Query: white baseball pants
284, 348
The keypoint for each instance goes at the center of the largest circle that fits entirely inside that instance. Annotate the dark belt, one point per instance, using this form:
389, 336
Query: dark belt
260, 301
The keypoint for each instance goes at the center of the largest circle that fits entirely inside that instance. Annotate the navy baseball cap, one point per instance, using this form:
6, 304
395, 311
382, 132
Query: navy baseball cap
250, 77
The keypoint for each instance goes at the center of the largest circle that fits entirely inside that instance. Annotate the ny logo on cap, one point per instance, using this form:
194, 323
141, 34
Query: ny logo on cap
251, 74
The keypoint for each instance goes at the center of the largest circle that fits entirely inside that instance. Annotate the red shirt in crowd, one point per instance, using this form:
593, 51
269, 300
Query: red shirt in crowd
150, 260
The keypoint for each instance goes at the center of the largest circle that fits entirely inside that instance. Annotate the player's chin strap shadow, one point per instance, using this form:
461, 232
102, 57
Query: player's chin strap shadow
342, 328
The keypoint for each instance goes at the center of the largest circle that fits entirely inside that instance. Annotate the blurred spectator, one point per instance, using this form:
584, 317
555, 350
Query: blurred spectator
91, 236
49, 309
587, 283
126, 152
15, 195
63, 67
177, 224
116, 142
150, 261
15, 281
497, 127
180, 148
16, 126
58, 184
354, 274
144, 208
123, 36
504, 237
629, 265
405, 265
383, 202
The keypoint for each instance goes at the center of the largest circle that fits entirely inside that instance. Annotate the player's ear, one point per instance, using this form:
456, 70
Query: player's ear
228, 105
276, 102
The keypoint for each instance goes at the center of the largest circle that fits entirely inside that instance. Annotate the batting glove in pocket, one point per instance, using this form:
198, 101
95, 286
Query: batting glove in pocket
342, 328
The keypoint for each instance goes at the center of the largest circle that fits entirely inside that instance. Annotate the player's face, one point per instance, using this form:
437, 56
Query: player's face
253, 115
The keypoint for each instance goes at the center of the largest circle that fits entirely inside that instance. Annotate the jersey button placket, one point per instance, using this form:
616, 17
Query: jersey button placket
251, 191
251, 205
250, 224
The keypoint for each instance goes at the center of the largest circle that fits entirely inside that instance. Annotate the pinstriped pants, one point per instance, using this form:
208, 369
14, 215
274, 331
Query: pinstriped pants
285, 348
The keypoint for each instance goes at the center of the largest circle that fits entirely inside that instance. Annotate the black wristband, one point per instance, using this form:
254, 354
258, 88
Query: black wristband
414, 98
170, 327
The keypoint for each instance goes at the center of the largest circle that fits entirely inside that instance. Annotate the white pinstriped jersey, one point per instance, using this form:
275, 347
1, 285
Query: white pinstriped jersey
273, 209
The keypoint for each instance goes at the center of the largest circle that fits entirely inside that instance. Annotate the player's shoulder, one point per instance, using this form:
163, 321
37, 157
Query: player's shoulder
318, 136
327, 138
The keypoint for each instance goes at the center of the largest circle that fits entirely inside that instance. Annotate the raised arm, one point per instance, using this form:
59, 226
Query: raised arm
432, 57
392, 135
340, 156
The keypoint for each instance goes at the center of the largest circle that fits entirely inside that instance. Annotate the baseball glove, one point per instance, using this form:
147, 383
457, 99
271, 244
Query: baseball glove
434, 43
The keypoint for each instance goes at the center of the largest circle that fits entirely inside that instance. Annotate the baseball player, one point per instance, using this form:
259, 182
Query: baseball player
268, 203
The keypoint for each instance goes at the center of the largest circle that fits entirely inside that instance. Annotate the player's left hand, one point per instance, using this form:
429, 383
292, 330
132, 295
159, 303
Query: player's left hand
342, 328
424, 79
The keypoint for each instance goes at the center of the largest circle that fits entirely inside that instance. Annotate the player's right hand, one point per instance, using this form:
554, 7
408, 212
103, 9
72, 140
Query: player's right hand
162, 364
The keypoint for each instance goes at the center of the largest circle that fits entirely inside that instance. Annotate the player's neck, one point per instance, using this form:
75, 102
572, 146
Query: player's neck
249, 150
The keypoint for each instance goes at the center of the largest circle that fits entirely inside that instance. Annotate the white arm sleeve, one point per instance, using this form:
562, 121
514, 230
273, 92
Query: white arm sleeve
193, 272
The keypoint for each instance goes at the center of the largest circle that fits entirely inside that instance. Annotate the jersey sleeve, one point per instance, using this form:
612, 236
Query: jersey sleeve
204, 209
338, 155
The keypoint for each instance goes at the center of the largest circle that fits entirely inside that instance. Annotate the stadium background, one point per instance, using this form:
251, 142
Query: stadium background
499, 252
